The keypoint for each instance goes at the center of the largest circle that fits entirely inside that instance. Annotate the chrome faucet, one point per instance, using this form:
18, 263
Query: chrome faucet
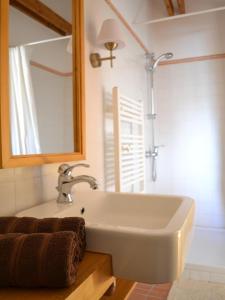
66, 181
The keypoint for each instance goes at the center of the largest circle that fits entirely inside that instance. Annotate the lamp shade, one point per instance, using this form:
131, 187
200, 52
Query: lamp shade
110, 32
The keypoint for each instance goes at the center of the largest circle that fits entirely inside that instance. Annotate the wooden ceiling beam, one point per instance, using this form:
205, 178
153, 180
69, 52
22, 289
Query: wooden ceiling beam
181, 6
43, 14
169, 7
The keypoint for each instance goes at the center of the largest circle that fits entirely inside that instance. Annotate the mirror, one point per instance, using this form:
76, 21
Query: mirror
44, 100
40, 82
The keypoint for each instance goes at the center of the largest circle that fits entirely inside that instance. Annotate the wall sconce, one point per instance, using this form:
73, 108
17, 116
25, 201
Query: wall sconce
110, 38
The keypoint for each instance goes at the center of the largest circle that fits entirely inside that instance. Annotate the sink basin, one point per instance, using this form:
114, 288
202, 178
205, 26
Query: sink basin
147, 235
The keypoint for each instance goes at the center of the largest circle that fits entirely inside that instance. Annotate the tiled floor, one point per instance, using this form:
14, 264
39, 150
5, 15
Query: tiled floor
196, 290
144, 291
183, 289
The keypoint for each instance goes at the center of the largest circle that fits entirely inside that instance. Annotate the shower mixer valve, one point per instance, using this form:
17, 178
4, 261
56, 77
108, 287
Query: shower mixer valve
153, 153
151, 116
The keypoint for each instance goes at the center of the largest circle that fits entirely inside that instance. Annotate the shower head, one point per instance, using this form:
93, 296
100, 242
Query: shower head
156, 61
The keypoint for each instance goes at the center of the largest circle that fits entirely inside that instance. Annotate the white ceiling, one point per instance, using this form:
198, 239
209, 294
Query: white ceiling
158, 7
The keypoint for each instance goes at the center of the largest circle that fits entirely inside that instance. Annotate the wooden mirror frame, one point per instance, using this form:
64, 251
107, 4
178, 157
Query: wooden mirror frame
7, 160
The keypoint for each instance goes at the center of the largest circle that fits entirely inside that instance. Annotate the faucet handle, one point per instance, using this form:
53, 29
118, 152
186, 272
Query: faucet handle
66, 169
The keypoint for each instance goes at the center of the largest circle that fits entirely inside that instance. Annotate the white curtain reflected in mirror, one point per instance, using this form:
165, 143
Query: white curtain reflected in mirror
24, 126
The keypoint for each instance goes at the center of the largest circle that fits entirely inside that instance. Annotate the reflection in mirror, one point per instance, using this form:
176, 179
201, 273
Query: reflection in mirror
41, 94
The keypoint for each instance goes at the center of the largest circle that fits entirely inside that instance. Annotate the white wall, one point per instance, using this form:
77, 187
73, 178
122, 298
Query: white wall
190, 108
53, 97
25, 187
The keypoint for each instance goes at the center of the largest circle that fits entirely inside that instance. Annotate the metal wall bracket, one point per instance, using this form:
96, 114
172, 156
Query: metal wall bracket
151, 116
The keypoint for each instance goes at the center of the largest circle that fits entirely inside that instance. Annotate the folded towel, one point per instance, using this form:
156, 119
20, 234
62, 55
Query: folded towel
38, 259
33, 225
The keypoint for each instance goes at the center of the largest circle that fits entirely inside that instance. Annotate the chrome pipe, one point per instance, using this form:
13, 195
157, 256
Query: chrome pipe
151, 65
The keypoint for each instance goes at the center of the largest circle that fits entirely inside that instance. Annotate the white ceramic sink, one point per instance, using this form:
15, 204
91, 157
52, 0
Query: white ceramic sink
147, 235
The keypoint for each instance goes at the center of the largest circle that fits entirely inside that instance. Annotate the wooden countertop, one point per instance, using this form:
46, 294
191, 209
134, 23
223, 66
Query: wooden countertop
94, 278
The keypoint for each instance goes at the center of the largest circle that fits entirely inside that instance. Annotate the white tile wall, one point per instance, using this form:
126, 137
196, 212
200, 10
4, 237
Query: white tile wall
28, 192
7, 198
25, 187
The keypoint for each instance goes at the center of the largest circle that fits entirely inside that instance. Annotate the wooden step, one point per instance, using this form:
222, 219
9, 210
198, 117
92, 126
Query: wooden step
123, 289
93, 279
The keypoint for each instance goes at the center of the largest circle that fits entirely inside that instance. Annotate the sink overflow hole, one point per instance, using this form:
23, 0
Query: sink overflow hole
82, 210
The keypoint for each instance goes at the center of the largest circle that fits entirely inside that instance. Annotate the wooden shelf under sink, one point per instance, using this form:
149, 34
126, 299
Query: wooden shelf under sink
122, 291
94, 278
94, 281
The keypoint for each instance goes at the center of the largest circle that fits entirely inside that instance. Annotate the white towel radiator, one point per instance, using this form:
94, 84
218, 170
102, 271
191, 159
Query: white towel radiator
129, 147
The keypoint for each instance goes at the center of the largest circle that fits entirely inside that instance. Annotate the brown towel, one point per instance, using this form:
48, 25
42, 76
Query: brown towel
33, 225
38, 259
